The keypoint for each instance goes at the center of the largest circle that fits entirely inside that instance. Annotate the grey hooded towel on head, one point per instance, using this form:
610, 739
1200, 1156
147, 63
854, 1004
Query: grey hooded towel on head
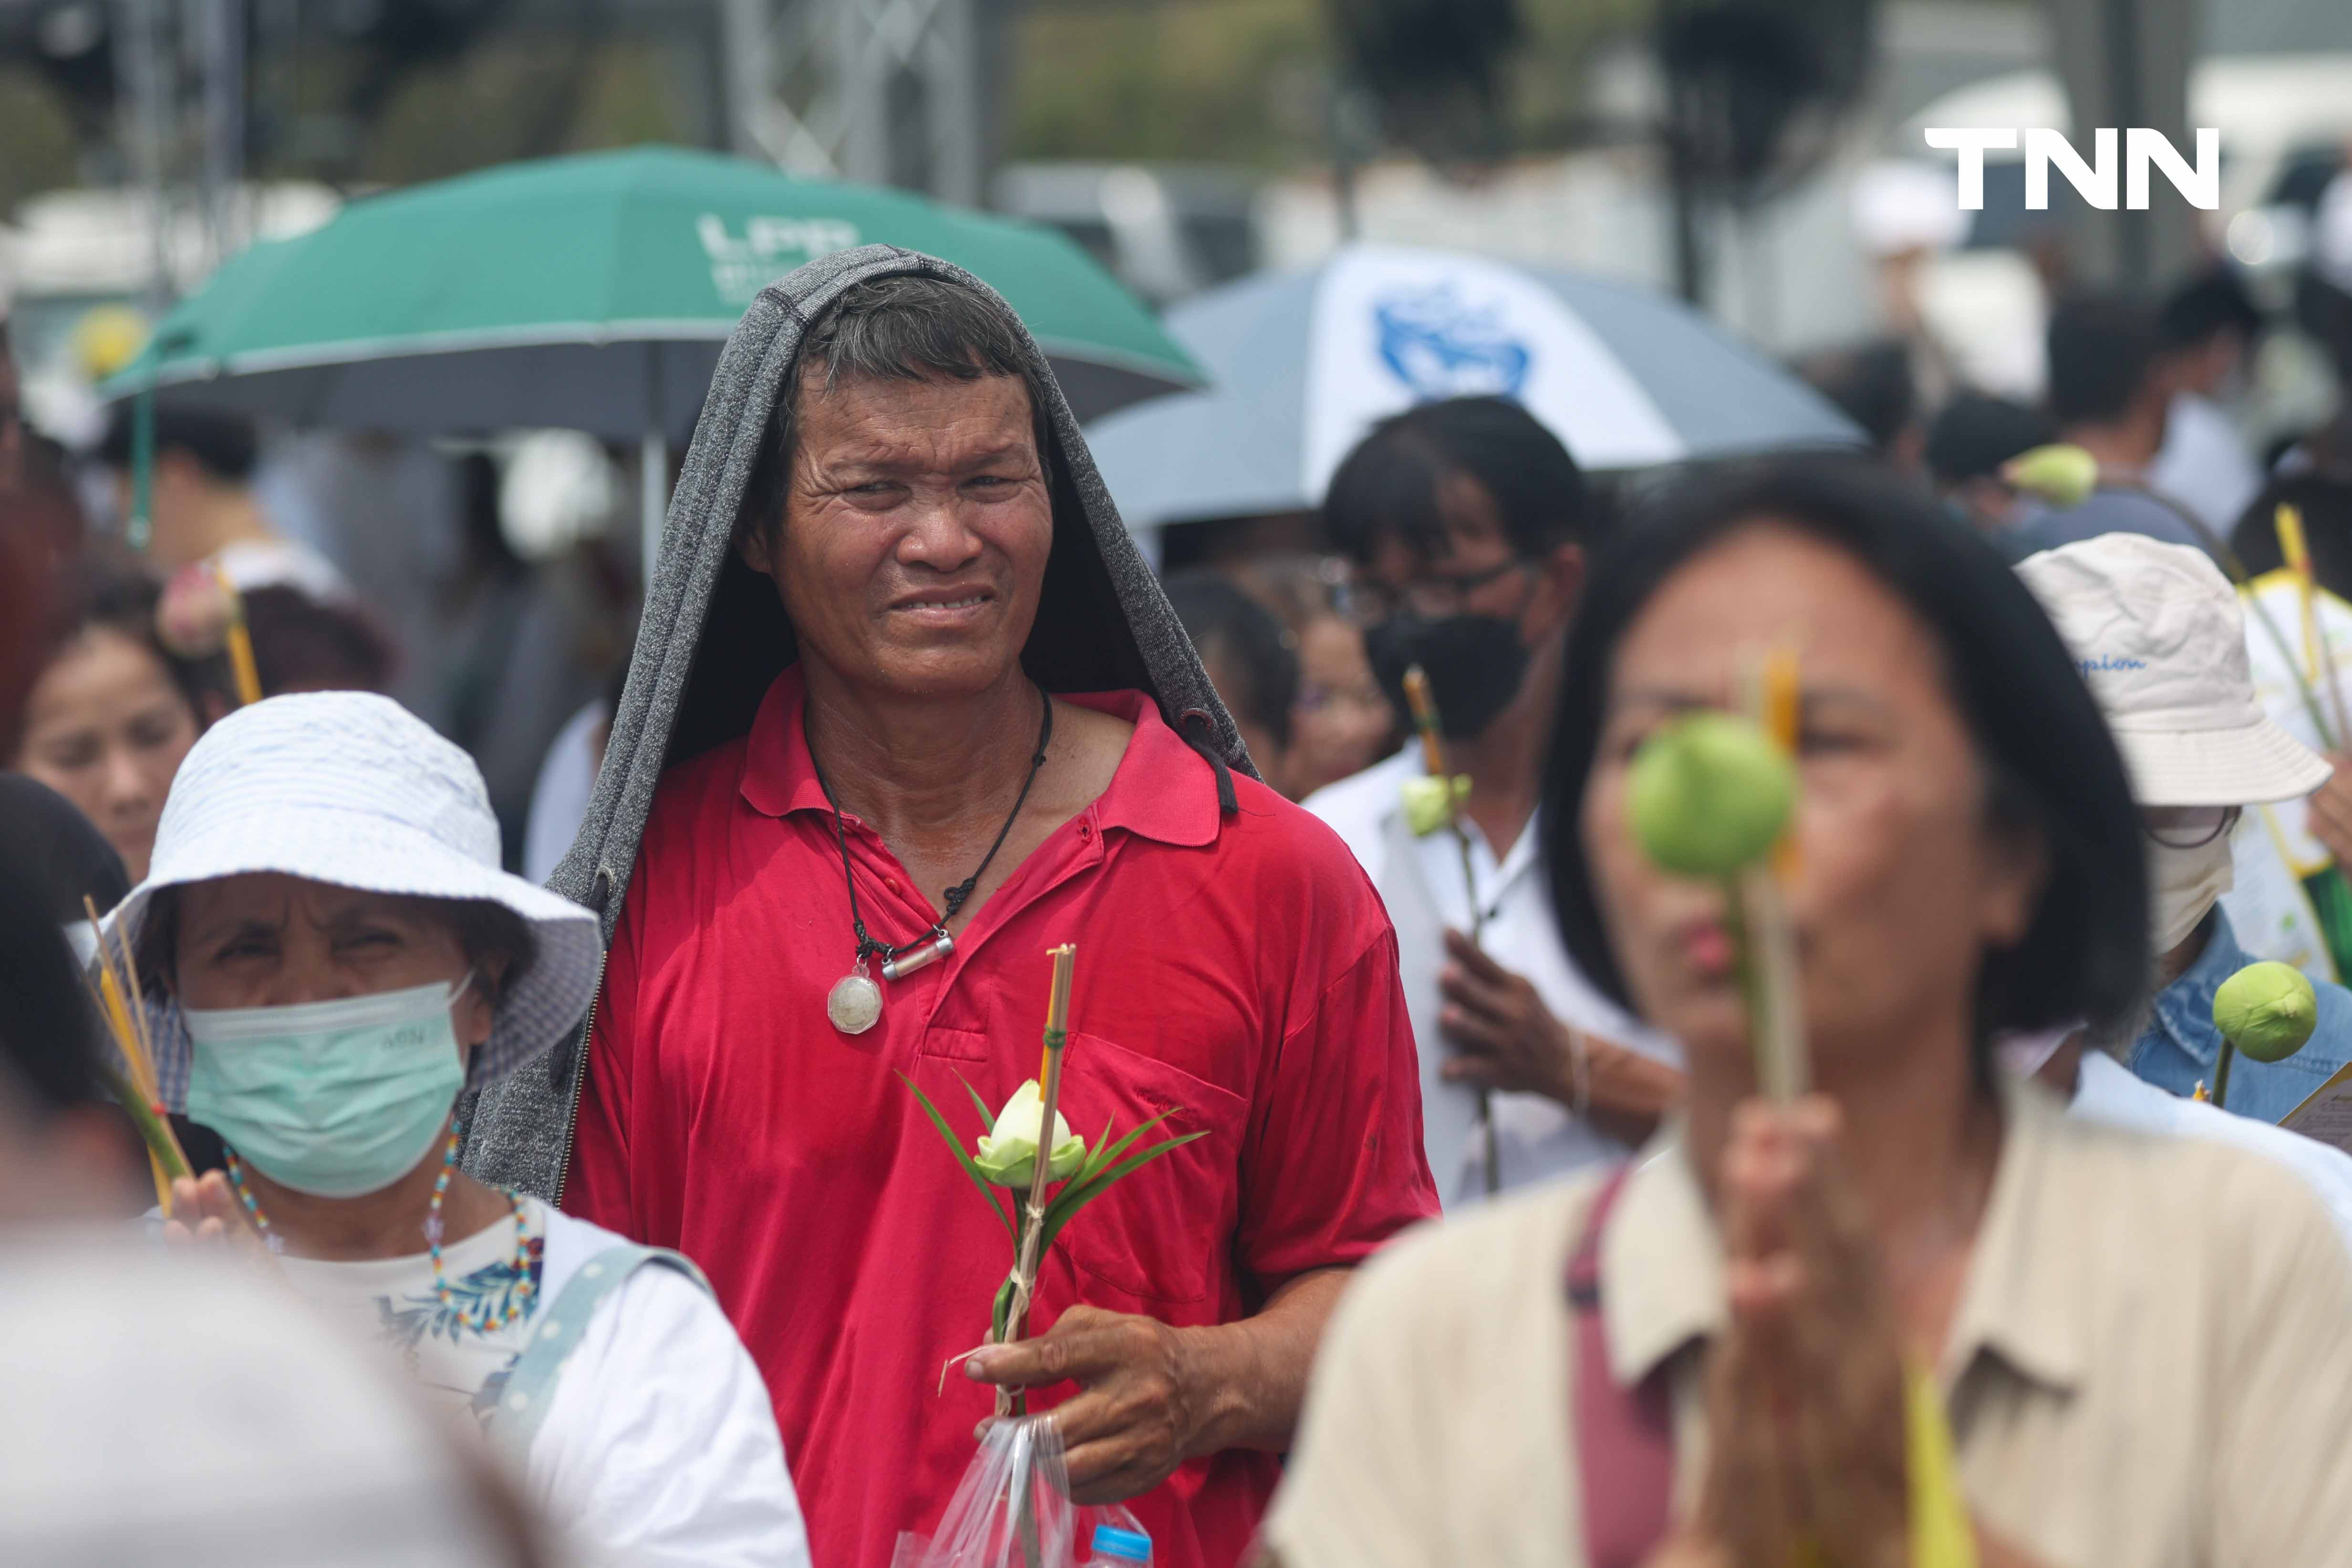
713, 636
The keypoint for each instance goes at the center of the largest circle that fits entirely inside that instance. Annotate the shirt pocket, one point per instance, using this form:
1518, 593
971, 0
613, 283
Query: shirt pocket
1162, 1233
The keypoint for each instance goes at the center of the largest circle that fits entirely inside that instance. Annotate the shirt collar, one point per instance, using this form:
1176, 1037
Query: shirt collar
1162, 790
2184, 1009
1662, 1260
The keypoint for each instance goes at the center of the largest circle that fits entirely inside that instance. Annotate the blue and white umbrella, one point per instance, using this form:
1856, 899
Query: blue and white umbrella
1302, 364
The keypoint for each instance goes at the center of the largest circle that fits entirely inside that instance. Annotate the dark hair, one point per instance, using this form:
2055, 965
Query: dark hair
1872, 385
49, 1031
1387, 487
906, 327
222, 444
100, 591
2211, 302
2325, 312
2051, 765
2325, 501
62, 851
1975, 435
1222, 620
2103, 351
304, 643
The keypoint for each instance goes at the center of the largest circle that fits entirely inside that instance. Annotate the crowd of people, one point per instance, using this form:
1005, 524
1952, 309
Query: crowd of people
1478, 1239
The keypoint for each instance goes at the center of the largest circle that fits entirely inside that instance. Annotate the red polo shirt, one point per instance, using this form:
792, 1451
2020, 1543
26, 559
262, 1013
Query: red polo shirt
1237, 971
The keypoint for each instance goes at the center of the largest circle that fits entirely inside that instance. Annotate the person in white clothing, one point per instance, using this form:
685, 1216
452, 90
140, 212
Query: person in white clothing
2083, 1071
1468, 524
334, 957
2210, 327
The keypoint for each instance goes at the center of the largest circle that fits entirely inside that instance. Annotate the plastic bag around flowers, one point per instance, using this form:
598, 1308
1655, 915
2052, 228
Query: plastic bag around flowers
1011, 1509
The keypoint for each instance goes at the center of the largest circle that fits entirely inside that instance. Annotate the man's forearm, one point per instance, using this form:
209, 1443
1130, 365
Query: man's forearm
1252, 1375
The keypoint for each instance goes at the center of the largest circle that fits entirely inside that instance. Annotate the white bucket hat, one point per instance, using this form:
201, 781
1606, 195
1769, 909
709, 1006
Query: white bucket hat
351, 789
2159, 634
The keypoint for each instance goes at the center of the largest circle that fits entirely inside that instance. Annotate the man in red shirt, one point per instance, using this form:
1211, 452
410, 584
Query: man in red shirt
889, 548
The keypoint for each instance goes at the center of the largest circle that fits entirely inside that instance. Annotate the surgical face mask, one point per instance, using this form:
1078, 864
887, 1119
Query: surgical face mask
2182, 884
1474, 665
333, 1098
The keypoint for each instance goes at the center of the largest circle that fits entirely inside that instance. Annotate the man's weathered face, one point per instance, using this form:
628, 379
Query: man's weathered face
917, 523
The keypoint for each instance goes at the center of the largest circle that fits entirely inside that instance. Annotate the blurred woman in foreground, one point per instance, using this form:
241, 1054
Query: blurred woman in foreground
1700, 1360
111, 712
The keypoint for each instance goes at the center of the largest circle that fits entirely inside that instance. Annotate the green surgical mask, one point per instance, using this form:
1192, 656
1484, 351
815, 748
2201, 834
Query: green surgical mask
333, 1099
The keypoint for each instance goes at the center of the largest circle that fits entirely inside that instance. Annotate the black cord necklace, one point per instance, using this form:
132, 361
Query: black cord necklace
854, 1002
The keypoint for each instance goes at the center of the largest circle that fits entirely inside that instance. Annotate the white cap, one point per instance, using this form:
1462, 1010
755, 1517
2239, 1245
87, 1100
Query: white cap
350, 788
2158, 632
1899, 205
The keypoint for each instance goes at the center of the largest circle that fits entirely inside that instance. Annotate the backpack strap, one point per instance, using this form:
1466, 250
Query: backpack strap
1624, 1437
538, 1368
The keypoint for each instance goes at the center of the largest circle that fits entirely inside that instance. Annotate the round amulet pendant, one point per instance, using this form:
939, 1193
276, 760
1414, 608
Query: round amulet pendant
854, 1004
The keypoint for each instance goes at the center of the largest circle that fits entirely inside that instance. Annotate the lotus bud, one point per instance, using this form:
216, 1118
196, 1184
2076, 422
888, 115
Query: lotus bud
2266, 1010
192, 615
2063, 475
1709, 794
1426, 808
1008, 1154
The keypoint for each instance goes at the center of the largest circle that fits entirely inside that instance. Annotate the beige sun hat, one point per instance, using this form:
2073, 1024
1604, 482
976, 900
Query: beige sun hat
2159, 634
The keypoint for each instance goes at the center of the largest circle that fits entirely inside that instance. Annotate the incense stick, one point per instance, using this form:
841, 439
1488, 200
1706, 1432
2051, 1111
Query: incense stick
123, 1006
2295, 550
1024, 1269
1776, 1003
240, 642
1423, 704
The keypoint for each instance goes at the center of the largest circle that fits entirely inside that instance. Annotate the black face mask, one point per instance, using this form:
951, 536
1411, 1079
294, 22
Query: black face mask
1474, 665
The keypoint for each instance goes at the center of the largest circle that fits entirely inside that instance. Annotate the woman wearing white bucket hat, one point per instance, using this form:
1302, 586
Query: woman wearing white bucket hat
337, 956
2159, 634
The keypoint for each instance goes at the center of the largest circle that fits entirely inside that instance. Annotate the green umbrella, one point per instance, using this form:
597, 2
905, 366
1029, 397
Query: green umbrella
593, 293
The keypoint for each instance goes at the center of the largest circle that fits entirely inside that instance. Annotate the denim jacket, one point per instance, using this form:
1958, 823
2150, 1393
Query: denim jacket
2182, 1047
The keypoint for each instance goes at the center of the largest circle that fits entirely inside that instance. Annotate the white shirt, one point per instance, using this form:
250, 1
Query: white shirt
1535, 1137
660, 1447
2204, 464
2109, 1092
559, 799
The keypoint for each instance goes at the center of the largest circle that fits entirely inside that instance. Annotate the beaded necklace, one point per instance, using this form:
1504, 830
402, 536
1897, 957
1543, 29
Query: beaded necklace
481, 1322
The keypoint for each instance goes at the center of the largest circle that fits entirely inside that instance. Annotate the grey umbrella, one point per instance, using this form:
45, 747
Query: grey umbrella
1301, 363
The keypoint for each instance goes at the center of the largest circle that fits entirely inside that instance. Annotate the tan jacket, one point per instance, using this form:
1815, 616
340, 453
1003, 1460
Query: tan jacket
2150, 1365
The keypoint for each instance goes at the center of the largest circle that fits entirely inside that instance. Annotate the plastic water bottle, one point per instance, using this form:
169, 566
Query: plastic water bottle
1119, 1547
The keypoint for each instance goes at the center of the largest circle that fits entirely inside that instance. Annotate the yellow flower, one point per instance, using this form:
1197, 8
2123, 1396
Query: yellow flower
1426, 808
1008, 1154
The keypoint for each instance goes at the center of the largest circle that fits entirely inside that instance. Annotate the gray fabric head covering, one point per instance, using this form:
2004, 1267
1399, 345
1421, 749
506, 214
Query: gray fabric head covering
713, 636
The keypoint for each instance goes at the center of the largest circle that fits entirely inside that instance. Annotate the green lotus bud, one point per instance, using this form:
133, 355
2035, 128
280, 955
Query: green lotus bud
2266, 1010
1709, 794
1008, 1154
1426, 807
2063, 475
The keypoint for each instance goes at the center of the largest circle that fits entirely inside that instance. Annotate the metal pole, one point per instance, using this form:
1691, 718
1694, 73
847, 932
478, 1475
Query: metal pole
745, 24
140, 24
224, 125
951, 64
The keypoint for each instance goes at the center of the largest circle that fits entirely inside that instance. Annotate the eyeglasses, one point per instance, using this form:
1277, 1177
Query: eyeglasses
1368, 602
2187, 827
